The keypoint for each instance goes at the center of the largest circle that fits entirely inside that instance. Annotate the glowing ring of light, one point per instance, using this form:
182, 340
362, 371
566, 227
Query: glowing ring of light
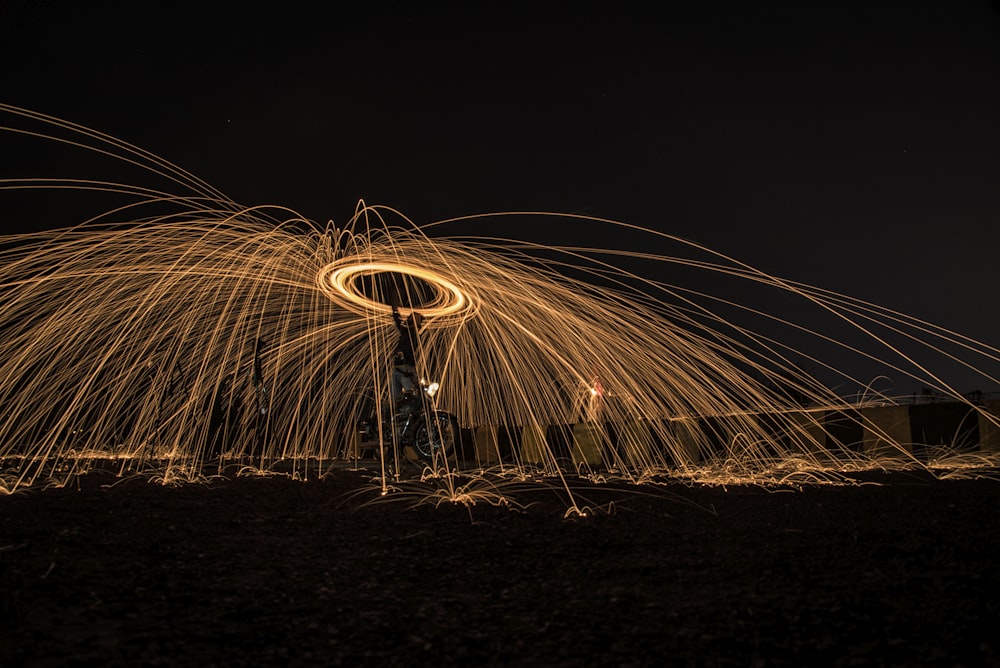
339, 282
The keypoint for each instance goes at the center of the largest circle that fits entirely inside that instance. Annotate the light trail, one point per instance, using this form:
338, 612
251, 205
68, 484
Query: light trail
339, 281
174, 330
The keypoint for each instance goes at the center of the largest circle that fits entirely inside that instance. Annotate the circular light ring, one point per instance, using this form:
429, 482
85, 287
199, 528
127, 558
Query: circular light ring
339, 282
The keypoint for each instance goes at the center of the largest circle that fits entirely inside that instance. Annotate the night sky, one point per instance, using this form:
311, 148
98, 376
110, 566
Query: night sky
855, 146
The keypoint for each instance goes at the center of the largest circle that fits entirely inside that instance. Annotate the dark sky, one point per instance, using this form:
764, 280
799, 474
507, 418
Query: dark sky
852, 145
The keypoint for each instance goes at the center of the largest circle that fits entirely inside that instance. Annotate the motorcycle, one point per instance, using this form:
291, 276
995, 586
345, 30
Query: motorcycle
414, 423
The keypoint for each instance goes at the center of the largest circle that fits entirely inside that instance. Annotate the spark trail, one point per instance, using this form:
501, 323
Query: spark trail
172, 330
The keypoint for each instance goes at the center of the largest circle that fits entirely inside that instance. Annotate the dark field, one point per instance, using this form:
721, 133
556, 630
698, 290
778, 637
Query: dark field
252, 571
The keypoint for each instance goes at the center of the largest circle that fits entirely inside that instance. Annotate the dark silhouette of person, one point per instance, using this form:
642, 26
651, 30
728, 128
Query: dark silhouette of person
405, 383
409, 335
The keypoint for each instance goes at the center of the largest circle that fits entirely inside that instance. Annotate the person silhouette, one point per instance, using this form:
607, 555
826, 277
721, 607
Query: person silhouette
405, 383
409, 335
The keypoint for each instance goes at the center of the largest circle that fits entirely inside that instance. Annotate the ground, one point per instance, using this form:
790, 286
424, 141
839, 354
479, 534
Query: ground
900, 570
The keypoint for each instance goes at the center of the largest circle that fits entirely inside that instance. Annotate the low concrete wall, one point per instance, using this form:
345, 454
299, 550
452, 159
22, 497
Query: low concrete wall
634, 443
534, 447
589, 440
805, 431
876, 431
951, 425
689, 441
989, 429
886, 430
486, 445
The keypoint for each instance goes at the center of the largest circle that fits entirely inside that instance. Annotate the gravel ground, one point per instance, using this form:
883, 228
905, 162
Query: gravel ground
901, 570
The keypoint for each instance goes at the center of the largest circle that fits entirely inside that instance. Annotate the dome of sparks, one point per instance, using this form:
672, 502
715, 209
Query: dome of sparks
199, 330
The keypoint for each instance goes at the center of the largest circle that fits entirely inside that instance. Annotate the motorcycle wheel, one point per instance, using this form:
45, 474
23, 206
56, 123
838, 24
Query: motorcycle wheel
435, 436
